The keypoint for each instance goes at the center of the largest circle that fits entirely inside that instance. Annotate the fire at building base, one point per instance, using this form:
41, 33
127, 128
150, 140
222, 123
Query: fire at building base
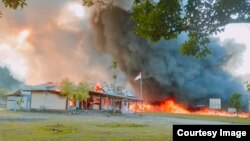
101, 97
171, 106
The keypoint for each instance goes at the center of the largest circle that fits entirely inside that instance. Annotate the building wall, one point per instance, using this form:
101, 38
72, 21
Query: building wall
106, 103
51, 101
3, 102
27, 95
12, 103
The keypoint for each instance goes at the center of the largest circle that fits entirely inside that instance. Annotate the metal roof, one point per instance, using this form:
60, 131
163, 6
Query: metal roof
41, 87
116, 95
107, 91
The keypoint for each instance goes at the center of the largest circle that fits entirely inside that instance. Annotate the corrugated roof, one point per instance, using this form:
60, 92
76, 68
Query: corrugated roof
116, 95
55, 87
42, 87
108, 90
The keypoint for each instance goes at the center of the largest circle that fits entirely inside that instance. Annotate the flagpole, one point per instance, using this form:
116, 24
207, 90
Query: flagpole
141, 94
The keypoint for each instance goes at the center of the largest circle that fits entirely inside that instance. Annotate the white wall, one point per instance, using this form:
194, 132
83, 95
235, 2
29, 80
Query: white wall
12, 102
3, 102
27, 94
52, 101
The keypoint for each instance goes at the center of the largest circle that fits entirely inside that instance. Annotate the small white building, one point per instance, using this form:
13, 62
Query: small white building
39, 97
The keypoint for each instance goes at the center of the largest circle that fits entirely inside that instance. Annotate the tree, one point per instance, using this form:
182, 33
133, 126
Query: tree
235, 101
157, 19
66, 88
199, 18
3, 92
167, 19
13, 4
76, 92
81, 92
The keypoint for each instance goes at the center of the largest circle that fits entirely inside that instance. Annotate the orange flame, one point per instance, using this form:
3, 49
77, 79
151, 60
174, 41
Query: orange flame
98, 87
171, 106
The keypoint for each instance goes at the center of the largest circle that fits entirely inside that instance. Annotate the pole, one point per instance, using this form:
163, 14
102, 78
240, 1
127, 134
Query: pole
141, 95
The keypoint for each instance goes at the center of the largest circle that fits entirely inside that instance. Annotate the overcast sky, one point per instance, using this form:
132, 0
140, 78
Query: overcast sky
241, 33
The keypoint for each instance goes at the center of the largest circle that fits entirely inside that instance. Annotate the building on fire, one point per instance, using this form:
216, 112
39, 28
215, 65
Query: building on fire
102, 97
48, 97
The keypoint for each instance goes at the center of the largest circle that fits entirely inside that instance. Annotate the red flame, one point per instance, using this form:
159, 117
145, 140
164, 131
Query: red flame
171, 106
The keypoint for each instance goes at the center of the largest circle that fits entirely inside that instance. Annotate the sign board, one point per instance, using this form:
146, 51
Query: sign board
232, 110
249, 106
215, 103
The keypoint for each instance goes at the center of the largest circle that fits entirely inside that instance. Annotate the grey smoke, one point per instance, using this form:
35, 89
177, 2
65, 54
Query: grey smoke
84, 49
7, 80
165, 71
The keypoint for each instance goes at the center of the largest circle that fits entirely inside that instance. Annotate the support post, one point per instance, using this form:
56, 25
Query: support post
141, 96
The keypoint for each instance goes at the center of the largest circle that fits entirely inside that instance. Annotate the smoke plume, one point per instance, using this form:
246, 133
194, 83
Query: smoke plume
7, 80
68, 40
166, 72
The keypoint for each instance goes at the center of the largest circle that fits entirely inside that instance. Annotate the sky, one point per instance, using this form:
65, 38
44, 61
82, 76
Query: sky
25, 50
241, 34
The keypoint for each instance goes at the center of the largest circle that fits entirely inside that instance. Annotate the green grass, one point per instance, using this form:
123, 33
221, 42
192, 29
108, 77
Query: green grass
30, 126
40, 131
121, 125
54, 127
203, 117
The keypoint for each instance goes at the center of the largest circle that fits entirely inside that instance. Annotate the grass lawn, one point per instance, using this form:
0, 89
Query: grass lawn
30, 126
22, 126
204, 117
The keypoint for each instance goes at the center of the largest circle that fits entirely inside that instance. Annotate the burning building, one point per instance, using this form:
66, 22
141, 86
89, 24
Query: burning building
167, 73
103, 97
48, 97
100, 34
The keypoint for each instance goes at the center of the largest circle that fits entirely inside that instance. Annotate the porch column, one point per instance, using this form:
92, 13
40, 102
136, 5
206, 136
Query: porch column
128, 104
100, 104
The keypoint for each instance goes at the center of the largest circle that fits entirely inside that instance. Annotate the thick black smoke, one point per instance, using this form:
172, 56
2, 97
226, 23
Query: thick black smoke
64, 45
165, 71
7, 80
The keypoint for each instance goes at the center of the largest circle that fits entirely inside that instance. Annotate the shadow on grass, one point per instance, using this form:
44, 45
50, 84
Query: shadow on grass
58, 129
121, 124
